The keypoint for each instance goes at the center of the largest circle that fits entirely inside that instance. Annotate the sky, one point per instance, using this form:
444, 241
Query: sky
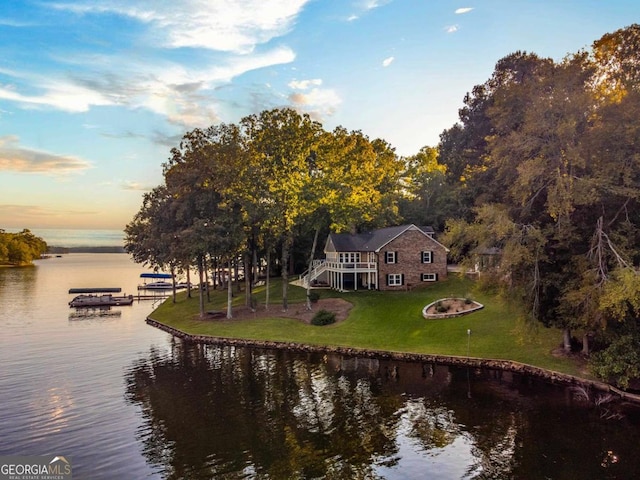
95, 93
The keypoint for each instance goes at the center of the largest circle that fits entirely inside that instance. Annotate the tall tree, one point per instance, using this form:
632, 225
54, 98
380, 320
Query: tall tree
281, 141
424, 190
203, 174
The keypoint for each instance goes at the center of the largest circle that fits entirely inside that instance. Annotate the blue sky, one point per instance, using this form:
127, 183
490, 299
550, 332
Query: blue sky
94, 93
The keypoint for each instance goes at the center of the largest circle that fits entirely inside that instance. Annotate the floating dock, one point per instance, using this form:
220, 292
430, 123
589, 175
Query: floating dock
95, 290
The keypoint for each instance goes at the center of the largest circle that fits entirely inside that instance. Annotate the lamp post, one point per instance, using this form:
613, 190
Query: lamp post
468, 340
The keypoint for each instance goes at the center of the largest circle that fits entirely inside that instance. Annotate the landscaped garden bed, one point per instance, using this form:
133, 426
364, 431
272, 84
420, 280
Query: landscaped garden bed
450, 307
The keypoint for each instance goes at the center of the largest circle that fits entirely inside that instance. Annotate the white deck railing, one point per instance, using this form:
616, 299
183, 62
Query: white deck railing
318, 267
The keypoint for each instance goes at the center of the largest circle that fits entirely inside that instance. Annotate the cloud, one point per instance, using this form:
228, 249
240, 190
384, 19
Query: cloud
166, 140
182, 86
21, 216
364, 6
452, 28
135, 186
460, 11
304, 84
223, 25
309, 98
125, 134
318, 103
388, 61
7, 22
183, 95
373, 4
61, 95
16, 158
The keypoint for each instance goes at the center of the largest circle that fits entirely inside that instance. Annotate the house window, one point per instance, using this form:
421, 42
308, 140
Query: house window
429, 277
394, 279
427, 257
350, 257
391, 257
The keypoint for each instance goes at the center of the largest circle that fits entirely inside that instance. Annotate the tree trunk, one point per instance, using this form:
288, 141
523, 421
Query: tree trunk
313, 254
206, 280
173, 282
266, 300
585, 344
200, 291
286, 245
229, 294
566, 340
248, 278
220, 275
188, 281
236, 275
254, 261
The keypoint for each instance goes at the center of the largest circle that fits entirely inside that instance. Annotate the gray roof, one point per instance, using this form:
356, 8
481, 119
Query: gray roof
371, 241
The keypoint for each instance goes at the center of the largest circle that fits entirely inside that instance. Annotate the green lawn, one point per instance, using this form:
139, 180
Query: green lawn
390, 321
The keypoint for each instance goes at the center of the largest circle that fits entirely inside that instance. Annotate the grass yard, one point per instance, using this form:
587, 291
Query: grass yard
390, 321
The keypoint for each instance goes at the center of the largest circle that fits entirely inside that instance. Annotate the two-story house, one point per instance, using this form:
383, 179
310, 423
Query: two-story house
393, 258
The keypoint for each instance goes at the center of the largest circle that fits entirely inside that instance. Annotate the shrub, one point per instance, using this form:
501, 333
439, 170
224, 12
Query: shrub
619, 362
314, 296
323, 317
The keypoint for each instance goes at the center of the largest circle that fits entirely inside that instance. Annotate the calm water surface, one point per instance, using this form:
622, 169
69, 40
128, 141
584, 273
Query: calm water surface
124, 400
69, 237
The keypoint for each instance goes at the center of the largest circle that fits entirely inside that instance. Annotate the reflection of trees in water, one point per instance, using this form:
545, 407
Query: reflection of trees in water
215, 411
433, 426
17, 284
225, 411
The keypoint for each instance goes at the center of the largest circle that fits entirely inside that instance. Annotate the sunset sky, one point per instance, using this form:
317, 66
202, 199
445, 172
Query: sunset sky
93, 94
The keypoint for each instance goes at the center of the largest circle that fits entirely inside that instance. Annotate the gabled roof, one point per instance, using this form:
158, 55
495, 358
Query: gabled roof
372, 241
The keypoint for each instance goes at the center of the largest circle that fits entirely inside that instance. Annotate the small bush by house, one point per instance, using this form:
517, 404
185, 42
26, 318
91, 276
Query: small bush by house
323, 317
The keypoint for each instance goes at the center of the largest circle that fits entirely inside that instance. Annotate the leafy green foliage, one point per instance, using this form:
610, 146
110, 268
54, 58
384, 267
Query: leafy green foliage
542, 172
314, 296
545, 167
20, 248
323, 317
619, 362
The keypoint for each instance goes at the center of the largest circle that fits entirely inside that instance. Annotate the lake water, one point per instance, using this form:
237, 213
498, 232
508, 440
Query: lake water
69, 237
124, 400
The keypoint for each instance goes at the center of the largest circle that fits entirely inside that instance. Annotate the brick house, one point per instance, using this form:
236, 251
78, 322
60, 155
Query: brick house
393, 258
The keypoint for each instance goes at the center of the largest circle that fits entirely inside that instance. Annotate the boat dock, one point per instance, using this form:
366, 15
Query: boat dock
105, 297
98, 297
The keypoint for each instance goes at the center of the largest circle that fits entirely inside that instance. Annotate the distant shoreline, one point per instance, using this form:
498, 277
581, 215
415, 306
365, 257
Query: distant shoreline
91, 249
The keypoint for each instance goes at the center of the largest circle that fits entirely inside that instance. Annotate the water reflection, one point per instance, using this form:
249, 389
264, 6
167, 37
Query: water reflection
17, 288
98, 313
225, 411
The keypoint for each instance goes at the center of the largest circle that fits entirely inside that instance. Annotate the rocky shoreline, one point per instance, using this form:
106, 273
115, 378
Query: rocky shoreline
492, 364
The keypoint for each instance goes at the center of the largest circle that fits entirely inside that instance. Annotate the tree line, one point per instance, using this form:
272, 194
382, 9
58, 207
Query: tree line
542, 168
20, 248
249, 192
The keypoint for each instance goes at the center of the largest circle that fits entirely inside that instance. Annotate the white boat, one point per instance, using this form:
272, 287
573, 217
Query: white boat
99, 297
159, 285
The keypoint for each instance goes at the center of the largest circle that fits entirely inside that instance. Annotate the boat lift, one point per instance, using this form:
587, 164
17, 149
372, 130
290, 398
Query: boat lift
160, 282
